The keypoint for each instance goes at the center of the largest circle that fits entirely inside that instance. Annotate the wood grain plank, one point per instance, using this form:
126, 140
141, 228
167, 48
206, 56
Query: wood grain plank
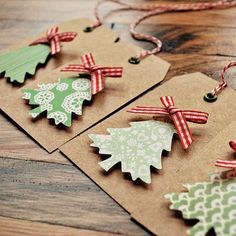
209, 65
191, 48
16, 144
59, 194
177, 39
190, 39
18, 10
11, 227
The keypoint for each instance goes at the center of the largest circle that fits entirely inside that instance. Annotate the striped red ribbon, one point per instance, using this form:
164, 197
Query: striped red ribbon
179, 117
54, 39
227, 164
97, 73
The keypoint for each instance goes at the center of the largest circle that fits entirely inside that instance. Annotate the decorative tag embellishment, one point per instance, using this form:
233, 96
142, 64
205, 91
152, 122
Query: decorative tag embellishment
178, 116
65, 97
60, 99
17, 64
212, 203
97, 73
54, 39
137, 148
24, 61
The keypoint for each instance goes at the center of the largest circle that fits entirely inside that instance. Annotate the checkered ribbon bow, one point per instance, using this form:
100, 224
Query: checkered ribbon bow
227, 164
97, 73
179, 117
54, 39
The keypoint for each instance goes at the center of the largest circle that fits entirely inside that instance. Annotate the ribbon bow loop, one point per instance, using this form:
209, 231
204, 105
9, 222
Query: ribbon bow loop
96, 72
232, 144
178, 116
52, 32
167, 101
54, 39
228, 164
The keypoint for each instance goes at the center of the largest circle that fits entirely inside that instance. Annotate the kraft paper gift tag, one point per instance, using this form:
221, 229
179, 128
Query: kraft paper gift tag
146, 203
212, 215
70, 50
136, 79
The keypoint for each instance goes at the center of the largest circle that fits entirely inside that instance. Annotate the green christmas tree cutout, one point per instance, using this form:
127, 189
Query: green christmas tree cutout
212, 203
137, 148
25, 60
59, 99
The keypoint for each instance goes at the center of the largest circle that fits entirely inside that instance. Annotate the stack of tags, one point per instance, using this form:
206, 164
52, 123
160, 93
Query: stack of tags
136, 79
146, 203
104, 126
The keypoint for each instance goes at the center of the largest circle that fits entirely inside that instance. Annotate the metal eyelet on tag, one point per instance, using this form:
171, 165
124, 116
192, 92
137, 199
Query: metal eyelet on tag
88, 29
210, 98
134, 60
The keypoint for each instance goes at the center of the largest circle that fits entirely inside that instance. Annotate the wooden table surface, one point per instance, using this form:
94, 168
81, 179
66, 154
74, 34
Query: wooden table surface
42, 194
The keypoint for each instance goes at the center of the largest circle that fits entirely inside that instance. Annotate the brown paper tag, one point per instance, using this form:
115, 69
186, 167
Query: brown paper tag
118, 91
147, 203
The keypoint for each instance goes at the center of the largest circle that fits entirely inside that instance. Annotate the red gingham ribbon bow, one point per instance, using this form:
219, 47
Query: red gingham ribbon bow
179, 117
97, 73
227, 164
54, 38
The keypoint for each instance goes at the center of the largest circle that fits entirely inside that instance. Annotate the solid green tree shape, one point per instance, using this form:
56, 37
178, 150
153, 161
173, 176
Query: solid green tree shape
25, 60
212, 203
137, 148
59, 99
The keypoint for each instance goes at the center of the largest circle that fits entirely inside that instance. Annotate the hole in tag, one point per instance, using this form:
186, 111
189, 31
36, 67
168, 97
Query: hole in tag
88, 29
210, 98
112, 25
134, 60
117, 40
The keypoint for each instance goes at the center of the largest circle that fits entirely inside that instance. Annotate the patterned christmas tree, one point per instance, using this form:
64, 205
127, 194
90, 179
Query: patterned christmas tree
137, 148
59, 99
212, 203
24, 61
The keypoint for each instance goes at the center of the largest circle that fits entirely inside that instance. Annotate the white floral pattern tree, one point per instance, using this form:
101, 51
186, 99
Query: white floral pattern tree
137, 148
59, 99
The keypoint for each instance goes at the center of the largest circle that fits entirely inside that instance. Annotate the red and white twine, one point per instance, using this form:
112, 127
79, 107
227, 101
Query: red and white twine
223, 84
154, 9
